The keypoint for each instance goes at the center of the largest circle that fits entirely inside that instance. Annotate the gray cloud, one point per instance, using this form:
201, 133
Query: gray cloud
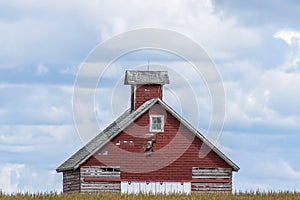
259, 13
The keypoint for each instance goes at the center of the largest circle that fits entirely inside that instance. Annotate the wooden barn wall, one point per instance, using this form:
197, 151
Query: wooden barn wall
71, 181
211, 179
108, 183
126, 150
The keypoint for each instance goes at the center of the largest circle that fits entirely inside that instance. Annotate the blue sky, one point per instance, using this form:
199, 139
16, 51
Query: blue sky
255, 45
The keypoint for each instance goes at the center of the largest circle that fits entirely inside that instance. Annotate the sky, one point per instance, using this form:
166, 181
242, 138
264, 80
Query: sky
255, 46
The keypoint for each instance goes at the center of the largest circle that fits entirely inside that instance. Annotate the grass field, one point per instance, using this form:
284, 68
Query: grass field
107, 196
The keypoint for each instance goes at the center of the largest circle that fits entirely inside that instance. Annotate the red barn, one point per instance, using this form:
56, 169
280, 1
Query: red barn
149, 149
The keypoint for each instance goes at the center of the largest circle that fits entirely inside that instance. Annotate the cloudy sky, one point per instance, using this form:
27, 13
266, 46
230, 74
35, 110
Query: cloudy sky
255, 45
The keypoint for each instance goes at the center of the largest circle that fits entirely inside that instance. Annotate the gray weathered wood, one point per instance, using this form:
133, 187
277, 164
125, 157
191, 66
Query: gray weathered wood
99, 186
96, 171
218, 179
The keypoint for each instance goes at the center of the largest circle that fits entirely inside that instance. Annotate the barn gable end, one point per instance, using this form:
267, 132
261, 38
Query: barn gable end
149, 148
211, 173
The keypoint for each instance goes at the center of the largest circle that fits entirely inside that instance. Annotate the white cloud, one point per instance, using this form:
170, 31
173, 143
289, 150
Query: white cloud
41, 70
269, 103
221, 36
36, 103
22, 178
93, 112
70, 70
9, 177
40, 149
100, 70
266, 159
60, 35
291, 37
258, 97
278, 169
16, 148
24, 137
281, 90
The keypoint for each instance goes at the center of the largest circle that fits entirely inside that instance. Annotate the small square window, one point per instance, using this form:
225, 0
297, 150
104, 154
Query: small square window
156, 123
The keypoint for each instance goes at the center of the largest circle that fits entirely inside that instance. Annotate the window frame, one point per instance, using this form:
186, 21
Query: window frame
162, 123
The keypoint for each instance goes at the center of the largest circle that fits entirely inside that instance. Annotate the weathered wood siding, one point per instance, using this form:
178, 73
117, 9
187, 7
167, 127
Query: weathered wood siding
71, 181
100, 179
211, 179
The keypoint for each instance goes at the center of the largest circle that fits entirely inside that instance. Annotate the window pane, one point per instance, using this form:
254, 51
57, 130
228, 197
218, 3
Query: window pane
158, 119
153, 127
158, 127
154, 119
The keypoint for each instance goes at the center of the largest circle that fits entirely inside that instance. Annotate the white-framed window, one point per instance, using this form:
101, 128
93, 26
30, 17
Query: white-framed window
156, 123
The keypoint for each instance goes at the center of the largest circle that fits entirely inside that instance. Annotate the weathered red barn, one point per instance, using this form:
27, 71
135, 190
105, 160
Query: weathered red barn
149, 148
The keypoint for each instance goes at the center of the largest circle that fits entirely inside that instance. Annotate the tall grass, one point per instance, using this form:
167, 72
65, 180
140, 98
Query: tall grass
109, 196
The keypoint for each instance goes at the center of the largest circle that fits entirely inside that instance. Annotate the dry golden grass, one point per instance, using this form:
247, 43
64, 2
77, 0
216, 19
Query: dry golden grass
108, 196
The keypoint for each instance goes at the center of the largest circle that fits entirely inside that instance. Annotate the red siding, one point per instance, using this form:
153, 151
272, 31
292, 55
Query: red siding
175, 142
144, 93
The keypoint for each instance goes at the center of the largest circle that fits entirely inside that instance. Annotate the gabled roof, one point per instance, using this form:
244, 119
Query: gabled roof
123, 122
146, 77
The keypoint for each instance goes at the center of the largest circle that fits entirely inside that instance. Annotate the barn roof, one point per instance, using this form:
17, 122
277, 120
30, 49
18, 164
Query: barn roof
146, 77
120, 124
